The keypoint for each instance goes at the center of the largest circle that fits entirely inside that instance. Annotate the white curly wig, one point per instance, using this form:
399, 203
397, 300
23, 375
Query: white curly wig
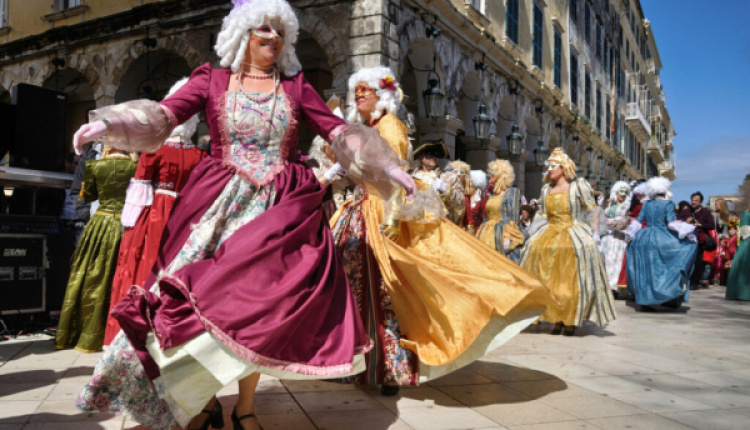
187, 129
246, 15
624, 207
479, 178
641, 189
658, 185
390, 101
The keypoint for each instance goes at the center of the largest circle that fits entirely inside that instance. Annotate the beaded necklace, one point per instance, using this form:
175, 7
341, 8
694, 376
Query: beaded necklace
261, 99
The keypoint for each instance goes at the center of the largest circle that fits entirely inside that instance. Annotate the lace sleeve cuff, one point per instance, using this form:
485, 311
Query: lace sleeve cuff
140, 194
137, 125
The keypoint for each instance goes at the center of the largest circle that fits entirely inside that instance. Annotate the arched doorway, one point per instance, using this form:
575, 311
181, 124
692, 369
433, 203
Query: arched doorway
318, 73
151, 75
80, 99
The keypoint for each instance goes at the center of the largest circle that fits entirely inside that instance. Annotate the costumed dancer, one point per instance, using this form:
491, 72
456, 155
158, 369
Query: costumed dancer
616, 241
562, 250
248, 279
638, 198
84, 309
728, 249
660, 257
477, 201
151, 196
738, 284
432, 297
499, 229
448, 185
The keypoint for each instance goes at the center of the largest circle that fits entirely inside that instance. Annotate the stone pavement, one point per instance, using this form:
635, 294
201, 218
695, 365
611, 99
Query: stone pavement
661, 370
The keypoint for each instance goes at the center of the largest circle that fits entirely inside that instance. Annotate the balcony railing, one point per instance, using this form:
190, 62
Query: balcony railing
666, 169
637, 122
655, 150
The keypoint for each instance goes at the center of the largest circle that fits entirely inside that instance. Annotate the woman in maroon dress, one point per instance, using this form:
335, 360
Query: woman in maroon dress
247, 280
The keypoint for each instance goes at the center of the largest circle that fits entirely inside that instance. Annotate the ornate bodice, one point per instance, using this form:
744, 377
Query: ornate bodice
558, 209
255, 125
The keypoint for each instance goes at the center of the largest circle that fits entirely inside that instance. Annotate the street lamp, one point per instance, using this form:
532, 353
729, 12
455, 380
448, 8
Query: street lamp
515, 140
540, 153
434, 97
482, 122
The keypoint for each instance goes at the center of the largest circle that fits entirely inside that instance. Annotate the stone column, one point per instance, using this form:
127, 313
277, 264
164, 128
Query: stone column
480, 152
444, 129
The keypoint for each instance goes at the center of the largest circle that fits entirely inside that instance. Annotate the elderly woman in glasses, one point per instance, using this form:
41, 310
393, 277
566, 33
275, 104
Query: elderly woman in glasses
431, 296
562, 250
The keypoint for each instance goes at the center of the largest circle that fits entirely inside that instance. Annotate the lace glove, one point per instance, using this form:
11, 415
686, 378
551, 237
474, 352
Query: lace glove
404, 179
333, 171
89, 133
391, 226
506, 245
439, 185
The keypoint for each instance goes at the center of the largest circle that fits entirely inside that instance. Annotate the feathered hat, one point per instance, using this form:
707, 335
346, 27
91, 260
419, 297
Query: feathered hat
658, 185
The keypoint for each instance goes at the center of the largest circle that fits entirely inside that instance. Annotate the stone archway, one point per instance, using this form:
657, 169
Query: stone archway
334, 47
177, 45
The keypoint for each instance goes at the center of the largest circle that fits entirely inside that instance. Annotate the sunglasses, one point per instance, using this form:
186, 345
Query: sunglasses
267, 31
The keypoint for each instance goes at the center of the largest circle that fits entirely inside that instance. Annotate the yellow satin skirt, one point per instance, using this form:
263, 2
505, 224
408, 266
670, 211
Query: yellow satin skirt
552, 259
455, 298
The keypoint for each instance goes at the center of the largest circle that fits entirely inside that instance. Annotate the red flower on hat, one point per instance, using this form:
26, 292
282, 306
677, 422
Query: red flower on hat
388, 83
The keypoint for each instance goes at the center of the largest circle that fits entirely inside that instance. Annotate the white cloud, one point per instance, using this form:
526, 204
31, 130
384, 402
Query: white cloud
717, 167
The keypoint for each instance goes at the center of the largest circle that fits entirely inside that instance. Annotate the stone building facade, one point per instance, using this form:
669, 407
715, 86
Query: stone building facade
583, 74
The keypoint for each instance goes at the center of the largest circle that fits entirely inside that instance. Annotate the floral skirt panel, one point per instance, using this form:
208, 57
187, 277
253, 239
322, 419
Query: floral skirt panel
388, 362
120, 383
613, 250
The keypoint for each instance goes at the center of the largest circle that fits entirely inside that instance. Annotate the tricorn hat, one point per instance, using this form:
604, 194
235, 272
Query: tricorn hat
435, 146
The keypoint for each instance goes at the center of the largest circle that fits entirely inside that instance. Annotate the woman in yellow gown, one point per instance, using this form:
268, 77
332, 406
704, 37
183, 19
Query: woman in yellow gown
500, 229
563, 252
432, 297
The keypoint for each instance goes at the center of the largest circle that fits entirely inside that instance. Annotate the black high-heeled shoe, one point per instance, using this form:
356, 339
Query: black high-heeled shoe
557, 329
215, 417
236, 420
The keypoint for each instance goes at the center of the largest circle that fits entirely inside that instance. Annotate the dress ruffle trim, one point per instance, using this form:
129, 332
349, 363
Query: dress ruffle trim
258, 359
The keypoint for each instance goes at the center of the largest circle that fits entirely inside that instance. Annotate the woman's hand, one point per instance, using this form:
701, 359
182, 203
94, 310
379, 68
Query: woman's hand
405, 180
89, 133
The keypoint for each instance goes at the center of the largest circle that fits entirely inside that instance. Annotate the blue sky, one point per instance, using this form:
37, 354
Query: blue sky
705, 53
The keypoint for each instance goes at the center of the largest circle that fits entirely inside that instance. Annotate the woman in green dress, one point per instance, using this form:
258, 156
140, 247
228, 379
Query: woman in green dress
738, 286
84, 310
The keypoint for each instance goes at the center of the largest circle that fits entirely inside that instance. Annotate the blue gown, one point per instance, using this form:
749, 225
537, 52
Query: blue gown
659, 263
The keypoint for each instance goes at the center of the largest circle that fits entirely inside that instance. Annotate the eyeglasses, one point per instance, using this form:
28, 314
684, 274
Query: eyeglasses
363, 90
267, 31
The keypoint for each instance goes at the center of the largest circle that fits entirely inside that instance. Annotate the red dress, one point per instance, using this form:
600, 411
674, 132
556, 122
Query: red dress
728, 249
167, 171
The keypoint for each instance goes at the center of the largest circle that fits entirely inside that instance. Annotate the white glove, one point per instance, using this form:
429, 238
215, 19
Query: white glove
332, 172
404, 179
506, 245
597, 239
439, 185
600, 200
89, 133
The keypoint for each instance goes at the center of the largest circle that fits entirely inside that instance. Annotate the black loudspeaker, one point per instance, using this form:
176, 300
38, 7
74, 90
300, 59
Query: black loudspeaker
22, 273
40, 128
7, 128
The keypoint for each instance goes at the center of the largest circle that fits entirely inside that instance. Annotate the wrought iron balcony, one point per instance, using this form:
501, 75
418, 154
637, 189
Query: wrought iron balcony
637, 122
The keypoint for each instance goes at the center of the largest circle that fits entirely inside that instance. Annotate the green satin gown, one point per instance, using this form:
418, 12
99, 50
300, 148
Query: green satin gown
86, 304
738, 285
